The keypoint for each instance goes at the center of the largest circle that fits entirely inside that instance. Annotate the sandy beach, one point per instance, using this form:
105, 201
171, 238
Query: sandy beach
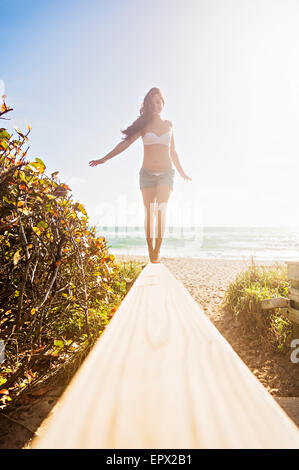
207, 281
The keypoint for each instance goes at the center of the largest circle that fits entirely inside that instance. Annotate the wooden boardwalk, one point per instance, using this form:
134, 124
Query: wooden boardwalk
162, 377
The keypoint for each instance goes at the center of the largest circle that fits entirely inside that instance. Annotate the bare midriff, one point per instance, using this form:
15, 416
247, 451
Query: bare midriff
156, 158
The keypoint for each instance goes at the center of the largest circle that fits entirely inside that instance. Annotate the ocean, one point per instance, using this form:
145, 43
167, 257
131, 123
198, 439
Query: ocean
262, 243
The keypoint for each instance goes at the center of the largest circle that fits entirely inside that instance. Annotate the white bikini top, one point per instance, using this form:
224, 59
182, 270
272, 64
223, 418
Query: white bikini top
151, 138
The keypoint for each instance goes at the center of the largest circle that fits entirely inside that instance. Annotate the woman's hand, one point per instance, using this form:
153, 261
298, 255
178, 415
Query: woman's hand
186, 177
97, 162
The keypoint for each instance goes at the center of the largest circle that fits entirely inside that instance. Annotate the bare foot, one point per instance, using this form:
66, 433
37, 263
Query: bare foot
155, 258
151, 255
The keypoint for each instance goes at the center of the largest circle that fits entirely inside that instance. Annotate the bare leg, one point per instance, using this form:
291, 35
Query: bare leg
149, 198
163, 193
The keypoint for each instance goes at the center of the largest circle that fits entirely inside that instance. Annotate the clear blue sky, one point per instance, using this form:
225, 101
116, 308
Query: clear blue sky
77, 72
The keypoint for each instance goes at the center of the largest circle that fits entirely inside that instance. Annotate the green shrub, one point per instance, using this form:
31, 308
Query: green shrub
59, 286
243, 298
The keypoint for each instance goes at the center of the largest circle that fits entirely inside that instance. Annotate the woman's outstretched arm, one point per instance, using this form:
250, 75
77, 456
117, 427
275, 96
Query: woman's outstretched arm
117, 150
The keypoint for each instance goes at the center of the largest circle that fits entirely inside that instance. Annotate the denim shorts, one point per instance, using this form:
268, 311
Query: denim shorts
147, 179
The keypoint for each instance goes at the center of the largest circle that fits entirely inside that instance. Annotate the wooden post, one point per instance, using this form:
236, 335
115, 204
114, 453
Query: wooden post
293, 308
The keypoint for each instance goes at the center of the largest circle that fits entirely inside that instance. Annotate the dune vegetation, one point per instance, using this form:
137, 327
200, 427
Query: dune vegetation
243, 298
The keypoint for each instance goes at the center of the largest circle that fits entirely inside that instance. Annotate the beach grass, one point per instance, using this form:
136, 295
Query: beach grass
243, 298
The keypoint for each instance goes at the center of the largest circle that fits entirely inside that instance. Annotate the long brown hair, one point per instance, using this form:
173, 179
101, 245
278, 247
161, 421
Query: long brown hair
146, 112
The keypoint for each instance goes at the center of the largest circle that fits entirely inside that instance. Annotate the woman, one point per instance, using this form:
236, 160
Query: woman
156, 174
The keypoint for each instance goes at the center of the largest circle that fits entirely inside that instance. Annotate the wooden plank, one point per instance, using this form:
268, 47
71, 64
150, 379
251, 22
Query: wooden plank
293, 294
293, 271
275, 302
295, 331
293, 314
162, 377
